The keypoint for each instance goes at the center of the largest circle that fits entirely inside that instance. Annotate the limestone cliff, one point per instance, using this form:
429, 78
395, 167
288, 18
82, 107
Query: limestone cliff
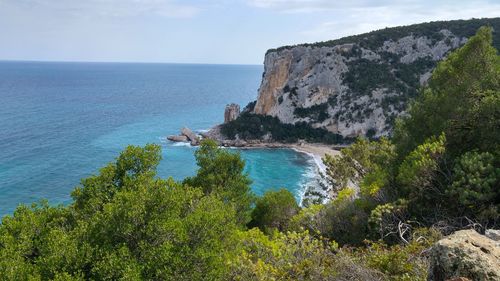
357, 85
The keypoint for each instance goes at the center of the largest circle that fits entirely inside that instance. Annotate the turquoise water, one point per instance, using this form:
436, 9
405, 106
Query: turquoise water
60, 122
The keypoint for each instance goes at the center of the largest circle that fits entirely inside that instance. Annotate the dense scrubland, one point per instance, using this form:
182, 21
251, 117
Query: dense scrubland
439, 173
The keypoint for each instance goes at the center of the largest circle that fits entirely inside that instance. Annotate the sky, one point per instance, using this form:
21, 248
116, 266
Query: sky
202, 31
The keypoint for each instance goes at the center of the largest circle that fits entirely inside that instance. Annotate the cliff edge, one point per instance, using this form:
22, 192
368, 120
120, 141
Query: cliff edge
358, 85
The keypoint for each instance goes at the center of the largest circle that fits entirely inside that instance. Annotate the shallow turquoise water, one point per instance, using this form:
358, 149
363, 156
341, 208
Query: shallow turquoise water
60, 122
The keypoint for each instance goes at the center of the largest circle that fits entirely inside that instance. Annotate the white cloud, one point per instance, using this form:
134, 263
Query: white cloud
359, 19
410, 6
306, 6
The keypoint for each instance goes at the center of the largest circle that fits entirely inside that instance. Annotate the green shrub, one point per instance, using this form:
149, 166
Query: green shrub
250, 126
274, 210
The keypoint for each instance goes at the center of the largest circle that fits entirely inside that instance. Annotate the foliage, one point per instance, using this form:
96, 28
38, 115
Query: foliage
418, 171
362, 160
475, 129
454, 88
442, 165
253, 126
475, 184
274, 210
124, 224
308, 219
317, 113
221, 173
398, 262
375, 39
345, 222
386, 220
293, 256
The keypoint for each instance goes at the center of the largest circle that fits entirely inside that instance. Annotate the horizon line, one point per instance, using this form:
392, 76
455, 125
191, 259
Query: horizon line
123, 62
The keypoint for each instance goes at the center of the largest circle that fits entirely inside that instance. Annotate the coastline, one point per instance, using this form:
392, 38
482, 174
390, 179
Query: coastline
316, 151
316, 191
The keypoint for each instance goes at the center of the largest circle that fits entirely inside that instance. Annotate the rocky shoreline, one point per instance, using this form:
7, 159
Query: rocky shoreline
317, 149
317, 192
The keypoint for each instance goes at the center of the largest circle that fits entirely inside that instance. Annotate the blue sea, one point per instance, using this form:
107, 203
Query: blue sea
61, 122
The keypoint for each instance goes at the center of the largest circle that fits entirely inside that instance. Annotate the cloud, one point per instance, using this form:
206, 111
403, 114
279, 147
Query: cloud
110, 8
338, 19
307, 6
410, 6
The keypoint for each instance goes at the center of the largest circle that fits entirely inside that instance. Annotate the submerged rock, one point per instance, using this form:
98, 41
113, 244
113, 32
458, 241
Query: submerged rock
465, 254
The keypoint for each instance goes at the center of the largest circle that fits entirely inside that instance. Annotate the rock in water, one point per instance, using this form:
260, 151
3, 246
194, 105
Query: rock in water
465, 253
231, 113
177, 138
190, 135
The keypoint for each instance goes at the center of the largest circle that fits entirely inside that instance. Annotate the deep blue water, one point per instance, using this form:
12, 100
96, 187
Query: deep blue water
60, 122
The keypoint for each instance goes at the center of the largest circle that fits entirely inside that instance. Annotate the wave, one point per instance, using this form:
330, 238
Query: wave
312, 178
187, 144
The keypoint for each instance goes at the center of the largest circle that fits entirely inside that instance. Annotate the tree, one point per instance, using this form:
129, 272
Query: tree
124, 224
274, 210
475, 184
454, 87
221, 173
477, 128
134, 166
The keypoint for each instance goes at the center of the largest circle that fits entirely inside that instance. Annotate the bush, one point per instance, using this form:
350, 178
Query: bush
346, 223
317, 113
475, 184
274, 210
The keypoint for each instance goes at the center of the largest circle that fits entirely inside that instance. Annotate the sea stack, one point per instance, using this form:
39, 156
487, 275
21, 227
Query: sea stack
231, 113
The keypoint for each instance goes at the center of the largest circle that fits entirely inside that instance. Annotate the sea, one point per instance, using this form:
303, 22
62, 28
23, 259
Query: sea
62, 121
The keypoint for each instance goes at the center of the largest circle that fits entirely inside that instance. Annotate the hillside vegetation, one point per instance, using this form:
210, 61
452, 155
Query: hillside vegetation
440, 173
374, 39
359, 85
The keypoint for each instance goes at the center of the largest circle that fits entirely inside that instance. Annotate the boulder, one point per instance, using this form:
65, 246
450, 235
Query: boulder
177, 138
192, 137
465, 254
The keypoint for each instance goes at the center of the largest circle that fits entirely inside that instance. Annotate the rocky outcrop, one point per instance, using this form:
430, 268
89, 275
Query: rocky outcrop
231, 112
324, 86
176, 138
186, 136
192, 137
467, 254
360, 84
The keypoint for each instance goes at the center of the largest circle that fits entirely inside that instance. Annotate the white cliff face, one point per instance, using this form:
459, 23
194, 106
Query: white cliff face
349, 89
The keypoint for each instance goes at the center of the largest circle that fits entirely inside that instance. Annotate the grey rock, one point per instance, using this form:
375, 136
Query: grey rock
231, 113
176, 138
192, 137
465, 253
305, 76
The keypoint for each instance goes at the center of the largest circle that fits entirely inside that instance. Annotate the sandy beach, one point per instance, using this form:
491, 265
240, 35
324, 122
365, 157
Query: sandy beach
317, 152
